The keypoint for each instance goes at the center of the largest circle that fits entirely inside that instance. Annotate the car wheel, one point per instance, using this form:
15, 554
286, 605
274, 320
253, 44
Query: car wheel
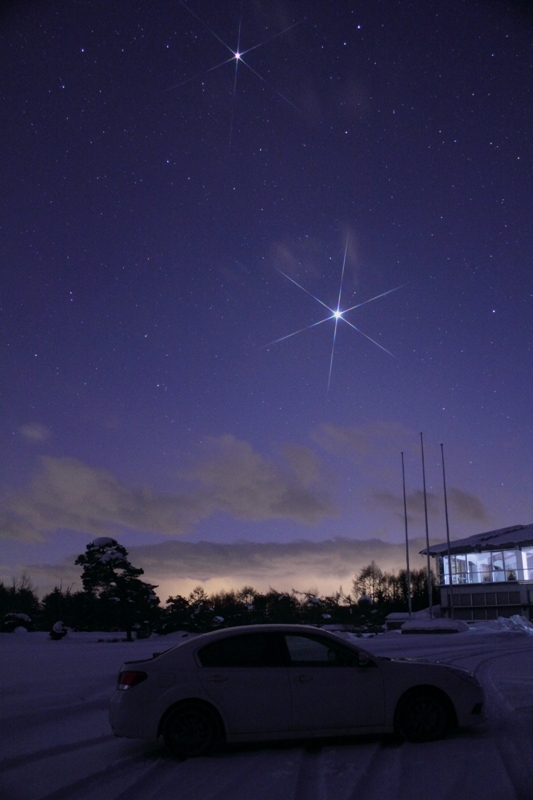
423, 716
191, 730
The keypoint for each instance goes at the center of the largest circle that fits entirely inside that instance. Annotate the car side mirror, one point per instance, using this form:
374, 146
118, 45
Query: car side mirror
364, 660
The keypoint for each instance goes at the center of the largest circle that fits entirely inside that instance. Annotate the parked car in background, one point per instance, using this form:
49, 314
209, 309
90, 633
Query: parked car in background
264, 682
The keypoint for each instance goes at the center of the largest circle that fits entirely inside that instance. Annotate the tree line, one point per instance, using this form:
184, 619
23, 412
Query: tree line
114, 598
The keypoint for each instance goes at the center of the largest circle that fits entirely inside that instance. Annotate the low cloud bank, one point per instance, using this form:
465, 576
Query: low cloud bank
177, 567
331, 558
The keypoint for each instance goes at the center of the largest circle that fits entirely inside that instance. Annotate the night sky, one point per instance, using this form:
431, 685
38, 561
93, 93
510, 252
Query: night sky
168, 212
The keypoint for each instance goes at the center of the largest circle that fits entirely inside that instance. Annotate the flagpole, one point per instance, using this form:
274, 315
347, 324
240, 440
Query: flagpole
450, 595
409, 602
430, 590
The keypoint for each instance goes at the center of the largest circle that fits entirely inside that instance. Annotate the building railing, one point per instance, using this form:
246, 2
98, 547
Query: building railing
486, 567
495, 576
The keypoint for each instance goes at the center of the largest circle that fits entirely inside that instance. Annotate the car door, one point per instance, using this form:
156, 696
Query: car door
329, 689
246, 676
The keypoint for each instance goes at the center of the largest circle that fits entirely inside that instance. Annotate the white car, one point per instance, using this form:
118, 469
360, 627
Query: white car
261, 682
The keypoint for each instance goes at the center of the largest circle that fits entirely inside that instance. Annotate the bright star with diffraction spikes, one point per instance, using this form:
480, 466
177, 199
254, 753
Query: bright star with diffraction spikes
237, 56
336, 314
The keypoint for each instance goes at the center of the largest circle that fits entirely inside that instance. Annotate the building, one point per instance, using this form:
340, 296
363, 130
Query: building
488, 575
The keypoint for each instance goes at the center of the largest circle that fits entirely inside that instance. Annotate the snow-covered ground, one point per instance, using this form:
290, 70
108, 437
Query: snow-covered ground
57, 744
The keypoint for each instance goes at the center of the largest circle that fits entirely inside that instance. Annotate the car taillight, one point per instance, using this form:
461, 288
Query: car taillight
130, 678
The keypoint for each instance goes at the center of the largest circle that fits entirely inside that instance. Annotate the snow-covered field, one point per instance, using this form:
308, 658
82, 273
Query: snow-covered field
57, 744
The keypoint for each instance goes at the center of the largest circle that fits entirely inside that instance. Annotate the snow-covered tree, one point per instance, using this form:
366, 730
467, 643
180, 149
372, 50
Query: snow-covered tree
109, 576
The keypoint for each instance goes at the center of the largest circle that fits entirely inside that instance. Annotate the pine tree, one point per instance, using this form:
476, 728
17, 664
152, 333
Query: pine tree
109, 576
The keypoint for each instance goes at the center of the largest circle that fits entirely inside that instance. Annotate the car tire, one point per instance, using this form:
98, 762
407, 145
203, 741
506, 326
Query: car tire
423, 716
192, 730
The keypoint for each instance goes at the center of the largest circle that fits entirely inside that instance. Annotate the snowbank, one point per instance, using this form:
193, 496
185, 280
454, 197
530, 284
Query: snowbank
434, 626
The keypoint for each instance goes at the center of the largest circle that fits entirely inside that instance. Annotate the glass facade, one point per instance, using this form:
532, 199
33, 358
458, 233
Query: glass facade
492, 566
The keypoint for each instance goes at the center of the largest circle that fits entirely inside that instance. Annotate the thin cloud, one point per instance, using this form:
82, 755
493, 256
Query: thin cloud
12, 527
467, 506
67, 494
246, 484
463, 506
230, 477
385, 499
304, 463
34, 432
294, 255
364, 442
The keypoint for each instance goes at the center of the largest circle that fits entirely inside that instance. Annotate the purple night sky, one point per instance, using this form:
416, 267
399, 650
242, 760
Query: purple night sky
168, 212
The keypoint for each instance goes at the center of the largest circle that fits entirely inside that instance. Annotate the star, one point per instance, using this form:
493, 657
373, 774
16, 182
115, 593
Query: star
336, 314
237, 56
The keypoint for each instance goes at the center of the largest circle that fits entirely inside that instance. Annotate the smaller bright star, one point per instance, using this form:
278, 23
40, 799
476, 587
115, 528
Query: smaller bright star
238, 56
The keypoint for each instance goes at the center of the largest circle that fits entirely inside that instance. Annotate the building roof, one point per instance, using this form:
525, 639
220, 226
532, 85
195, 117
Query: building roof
504, 538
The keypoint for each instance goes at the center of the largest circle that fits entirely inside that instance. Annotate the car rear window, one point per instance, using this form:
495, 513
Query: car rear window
248, 650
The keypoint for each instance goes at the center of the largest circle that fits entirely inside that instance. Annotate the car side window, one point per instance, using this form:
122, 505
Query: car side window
248, 650
312, 651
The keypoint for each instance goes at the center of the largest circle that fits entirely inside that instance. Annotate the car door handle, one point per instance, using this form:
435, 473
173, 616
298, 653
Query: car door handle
304, 678
217, 678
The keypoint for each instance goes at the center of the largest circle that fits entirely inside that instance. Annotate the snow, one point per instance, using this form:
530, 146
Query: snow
111, 555
57, 744
434, 626
23, 617
516, 536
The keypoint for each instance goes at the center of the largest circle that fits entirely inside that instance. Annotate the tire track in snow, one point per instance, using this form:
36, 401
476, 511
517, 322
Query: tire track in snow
511, 733
49, 752
19, 722
506, 747
101, 780
441, 770
339, 768
205, 778
311, 784
260, 773
380, 776
511, 738
153, 781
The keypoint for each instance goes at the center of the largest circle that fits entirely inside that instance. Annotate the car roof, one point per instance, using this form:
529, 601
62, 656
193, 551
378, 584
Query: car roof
270, 627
